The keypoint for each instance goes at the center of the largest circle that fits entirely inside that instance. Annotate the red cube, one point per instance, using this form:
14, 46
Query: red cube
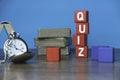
82, 28
79, 40
52, 54
81, 16
82, 52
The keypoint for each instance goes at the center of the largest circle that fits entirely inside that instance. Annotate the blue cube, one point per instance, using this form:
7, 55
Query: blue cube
105, 54
94, 52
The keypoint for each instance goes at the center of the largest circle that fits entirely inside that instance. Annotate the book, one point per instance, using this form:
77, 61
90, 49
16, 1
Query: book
53, 42
54, 32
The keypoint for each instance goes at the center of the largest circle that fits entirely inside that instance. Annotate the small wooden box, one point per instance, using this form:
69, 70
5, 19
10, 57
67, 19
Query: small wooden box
82, 52
79, 40
82, 28
81, 16
52, 54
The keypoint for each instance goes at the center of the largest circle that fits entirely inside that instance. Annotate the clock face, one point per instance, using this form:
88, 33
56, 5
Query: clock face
15, 47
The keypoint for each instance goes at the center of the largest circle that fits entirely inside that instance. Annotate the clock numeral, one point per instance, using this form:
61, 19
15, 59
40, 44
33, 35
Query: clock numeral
10, 52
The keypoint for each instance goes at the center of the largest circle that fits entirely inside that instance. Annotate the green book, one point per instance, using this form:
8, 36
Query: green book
63, 50
54, 32
53, 42
41, 50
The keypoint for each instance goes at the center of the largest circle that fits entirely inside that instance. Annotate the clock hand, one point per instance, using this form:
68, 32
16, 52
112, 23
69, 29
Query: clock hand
16, 47
12, 45
19, 49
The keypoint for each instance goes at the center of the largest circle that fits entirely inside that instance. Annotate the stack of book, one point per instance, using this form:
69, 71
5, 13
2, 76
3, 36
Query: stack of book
55, 37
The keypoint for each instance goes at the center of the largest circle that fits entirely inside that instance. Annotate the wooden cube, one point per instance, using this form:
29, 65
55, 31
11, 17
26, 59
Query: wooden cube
52, 54
79, 40
81, 16
82, 52
82, 28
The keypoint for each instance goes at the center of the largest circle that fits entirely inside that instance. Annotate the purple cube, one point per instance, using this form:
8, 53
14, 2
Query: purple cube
94, 52
105, 54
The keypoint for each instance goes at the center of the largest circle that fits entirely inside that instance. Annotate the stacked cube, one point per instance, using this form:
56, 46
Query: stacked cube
80, 38
53, 42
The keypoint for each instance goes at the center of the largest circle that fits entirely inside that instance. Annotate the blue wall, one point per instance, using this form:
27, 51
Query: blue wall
27, 16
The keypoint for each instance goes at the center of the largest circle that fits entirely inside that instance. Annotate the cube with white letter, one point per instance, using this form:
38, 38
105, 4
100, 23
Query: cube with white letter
82, 28
81, 16
82, 51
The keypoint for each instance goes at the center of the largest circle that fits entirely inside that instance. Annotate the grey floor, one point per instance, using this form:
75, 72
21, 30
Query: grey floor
69, 68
